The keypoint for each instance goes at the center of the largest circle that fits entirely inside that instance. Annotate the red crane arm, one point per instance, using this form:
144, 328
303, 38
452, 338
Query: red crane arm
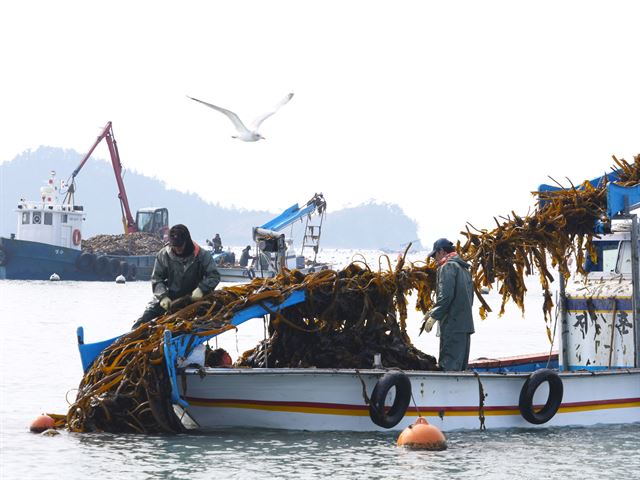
107, 134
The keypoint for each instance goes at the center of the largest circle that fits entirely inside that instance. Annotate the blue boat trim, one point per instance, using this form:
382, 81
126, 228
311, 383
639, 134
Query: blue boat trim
599, 304
522, 367
90, 351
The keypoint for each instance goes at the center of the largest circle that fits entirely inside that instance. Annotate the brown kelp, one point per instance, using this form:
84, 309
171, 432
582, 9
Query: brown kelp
561, 228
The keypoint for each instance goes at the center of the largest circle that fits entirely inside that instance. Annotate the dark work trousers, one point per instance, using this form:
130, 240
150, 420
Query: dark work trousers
454, 351
153, 310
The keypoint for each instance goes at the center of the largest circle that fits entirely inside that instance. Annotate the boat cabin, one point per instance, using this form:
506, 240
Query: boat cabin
598, 316
48, 221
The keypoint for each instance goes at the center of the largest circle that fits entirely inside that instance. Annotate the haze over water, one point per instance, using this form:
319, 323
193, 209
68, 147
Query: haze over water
39, 365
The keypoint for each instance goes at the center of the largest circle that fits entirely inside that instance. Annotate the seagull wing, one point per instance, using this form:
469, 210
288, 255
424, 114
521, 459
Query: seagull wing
232, 116
258, 121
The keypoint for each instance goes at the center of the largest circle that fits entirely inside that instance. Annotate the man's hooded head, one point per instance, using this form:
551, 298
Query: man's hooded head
179, 236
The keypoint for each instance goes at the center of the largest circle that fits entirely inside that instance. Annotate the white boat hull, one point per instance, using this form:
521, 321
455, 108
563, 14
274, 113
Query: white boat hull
317, 399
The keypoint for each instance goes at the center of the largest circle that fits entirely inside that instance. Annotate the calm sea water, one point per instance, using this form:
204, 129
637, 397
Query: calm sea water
40, 367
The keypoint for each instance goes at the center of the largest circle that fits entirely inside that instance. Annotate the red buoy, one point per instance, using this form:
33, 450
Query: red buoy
41, 423
423, 436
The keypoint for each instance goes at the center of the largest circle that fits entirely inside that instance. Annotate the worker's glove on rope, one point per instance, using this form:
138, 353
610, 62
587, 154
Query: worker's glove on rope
196, 294
165, 303
429, 321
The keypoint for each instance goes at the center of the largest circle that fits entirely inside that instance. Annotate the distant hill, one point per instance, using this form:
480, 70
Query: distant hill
368, 226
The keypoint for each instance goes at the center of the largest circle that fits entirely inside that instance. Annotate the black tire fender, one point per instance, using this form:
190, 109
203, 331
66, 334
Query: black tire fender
391, 417
529, 388
124, 268
133, 272
102, 265
85, 262
114, 267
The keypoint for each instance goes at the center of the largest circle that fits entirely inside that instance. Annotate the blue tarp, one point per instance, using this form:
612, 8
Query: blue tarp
615, 193
181, 345
287, 217
616, 198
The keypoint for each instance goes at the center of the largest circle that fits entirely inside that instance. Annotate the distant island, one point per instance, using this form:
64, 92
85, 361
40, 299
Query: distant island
367, 226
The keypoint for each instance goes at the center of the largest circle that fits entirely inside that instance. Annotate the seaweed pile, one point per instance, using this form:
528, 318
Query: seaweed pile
363, 312
137, 243
349, 316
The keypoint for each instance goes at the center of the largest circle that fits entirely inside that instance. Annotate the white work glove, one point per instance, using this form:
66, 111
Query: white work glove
429, 322
165, 303
196, 294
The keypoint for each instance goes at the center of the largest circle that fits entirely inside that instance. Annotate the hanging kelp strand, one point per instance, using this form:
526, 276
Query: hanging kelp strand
561, 228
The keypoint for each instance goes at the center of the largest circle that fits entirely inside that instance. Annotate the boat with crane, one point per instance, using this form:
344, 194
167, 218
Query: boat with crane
49, 236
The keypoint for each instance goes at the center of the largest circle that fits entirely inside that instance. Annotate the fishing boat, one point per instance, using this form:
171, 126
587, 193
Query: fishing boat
593, 379
275, 251
48, 241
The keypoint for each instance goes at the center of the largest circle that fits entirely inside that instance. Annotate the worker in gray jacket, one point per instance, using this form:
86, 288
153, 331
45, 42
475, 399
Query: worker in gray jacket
454, 298
181, 268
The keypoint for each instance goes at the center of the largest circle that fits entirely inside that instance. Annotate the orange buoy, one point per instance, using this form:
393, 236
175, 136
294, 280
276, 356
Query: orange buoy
41, 423
422, 436
226, 360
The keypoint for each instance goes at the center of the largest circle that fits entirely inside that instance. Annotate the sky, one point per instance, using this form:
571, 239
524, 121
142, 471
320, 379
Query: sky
455, 110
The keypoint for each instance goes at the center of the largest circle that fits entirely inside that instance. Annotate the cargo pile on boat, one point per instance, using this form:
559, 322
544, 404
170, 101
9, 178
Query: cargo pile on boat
362, 311
138, 243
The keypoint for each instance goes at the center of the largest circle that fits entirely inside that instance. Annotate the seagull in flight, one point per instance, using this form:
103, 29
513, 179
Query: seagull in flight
247, 134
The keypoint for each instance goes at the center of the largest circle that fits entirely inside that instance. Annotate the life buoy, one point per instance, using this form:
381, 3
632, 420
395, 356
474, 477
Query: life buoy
377, 411
77, 237
529, 388
85, 262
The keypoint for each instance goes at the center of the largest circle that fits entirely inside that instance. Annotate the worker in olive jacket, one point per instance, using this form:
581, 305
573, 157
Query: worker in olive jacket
180, 268
454, 298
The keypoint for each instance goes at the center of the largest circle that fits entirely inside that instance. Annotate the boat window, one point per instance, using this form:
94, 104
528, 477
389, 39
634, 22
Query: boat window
65, 218
37, 217
607, 253
624, 258
144, 221
48, 218
25, 217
